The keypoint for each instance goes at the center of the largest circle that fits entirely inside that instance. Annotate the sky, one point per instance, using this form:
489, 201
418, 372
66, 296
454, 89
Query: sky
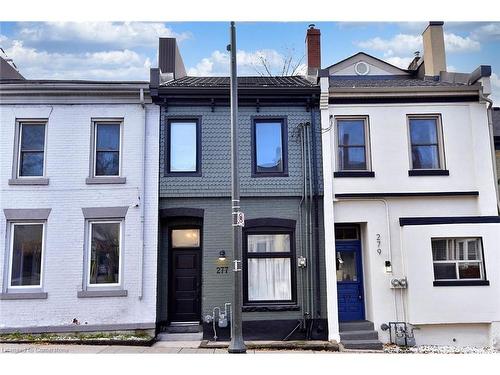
126, 50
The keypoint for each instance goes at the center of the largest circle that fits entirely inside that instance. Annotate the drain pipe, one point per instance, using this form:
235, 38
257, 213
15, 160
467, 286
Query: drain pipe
305, 221
309, 220
492, 143
142, 200
301, 220
316, 213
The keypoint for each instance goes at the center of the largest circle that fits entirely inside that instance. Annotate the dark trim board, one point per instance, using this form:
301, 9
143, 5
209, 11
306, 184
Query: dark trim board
462, 283
353, 174
181, 212
275, 330
403, 99
429, 172
403, 221
270, 222
412, 194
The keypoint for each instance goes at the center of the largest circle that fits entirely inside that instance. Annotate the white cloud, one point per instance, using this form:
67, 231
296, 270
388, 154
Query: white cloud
120, 34
409, 43
249, 63
489, 31
400, 62
107, 65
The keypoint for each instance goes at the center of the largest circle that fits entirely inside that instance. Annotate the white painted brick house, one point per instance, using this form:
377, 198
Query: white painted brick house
79, 200
412, 231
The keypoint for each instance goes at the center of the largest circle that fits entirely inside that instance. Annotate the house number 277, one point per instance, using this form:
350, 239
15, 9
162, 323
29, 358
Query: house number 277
222, 269
379, 242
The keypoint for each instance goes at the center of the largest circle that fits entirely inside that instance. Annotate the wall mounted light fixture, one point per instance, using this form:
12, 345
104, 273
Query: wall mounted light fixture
222, 255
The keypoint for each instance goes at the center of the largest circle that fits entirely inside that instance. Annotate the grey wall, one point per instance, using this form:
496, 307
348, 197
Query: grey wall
217, 230
216, 147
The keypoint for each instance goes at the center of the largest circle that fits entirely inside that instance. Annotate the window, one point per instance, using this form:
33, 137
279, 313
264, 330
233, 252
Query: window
269, 147
346, 232
185, 238
426, 143
104, 256
352, 144
26, 250
31, 149
269, 274
183, 150
458, 259
107, 139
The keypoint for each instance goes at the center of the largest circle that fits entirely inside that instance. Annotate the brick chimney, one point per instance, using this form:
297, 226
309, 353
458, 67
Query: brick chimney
434, 52
313, 50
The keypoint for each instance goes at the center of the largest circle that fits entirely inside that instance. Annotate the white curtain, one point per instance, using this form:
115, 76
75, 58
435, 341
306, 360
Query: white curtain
269, 279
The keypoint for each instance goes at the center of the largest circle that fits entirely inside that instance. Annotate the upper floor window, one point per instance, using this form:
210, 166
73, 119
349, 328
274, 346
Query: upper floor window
426, 145
352, 144
26, 247
269, 147
107, 142
31, 149
458, 259
183, 150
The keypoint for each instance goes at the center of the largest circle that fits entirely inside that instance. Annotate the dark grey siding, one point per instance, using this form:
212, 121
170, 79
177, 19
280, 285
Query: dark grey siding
216, 147
217, 230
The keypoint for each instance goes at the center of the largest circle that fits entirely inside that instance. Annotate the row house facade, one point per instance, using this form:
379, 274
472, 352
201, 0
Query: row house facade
370, 198
79, 205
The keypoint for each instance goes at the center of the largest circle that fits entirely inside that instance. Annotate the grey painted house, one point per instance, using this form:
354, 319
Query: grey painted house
281, 190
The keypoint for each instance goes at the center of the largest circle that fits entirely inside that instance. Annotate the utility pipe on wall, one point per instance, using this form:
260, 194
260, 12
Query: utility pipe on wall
142, 192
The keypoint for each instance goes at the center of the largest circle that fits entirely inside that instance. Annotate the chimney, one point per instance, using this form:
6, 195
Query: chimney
313, 48
434, 53
170, 60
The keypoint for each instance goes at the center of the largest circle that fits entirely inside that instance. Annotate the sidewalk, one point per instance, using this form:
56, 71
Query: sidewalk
180, 347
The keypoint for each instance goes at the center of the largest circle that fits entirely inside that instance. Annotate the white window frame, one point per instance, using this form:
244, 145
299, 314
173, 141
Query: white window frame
20, 124
11, 255
368, 158
89, 255
95, 124
457, 262
440, 139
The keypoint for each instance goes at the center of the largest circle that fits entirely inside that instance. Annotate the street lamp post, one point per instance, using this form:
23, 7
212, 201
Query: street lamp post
237, 344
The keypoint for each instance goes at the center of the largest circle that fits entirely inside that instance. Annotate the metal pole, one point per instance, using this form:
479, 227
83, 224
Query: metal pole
237, 344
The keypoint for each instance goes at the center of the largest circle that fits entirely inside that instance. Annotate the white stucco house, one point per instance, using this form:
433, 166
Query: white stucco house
78, 198
412, 231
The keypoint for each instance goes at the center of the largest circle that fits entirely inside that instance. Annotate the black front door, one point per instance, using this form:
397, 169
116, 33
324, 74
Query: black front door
185, 284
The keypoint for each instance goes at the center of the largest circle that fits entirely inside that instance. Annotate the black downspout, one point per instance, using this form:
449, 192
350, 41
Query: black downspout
316, 210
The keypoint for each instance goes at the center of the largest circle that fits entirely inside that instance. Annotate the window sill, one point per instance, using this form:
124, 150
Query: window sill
429, 172
270, 174
101, 293
266, 308
354, 174
105, 180
462, 283
23, 295
29, 181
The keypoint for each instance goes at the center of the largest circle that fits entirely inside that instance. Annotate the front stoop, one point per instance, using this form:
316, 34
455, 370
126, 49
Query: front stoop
181, 332
359, 335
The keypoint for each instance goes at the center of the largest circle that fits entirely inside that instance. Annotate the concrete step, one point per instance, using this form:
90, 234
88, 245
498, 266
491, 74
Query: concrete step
190, 328
361, 325
198, 336
362, 344
358, 335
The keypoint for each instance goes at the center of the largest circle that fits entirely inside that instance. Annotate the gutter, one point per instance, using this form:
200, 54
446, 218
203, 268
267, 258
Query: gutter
492, 144
142, 191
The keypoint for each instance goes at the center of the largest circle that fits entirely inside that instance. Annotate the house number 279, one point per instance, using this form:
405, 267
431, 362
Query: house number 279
379, 242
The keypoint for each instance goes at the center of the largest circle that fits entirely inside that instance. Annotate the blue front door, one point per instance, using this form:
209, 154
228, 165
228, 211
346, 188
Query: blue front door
350, 294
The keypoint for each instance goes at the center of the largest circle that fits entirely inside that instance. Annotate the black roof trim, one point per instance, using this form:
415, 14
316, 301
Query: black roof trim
409, 194
404, 99
403, 221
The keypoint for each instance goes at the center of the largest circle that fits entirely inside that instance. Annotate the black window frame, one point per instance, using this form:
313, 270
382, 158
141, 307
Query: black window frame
270, 226
441, 152
166, 146
458, 281
341, 172
284, 145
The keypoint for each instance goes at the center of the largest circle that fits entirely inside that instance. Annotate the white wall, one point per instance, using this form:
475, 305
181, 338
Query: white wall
467, 158
67, 167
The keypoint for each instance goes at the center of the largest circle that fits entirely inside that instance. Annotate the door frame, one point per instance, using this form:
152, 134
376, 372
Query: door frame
359, 262
170, 299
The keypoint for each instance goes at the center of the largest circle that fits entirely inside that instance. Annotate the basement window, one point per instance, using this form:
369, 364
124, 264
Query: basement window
458, 260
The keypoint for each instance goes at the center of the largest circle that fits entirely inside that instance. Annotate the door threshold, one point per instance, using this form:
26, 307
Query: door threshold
176, 324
